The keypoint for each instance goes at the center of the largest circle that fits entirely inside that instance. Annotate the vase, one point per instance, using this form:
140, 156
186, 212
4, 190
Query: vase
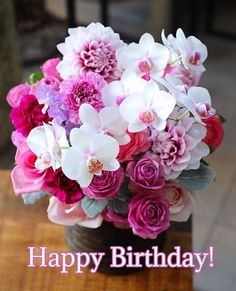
82, 239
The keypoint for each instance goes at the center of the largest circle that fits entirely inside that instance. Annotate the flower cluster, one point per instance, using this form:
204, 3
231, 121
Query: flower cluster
114, 131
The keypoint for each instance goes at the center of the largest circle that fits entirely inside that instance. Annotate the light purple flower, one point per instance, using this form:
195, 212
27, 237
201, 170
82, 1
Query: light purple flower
147, 173
180, 145
84, 88
148, 215
106, 185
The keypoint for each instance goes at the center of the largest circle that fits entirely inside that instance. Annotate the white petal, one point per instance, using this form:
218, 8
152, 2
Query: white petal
92, 223
199, 95
79, 138
164, 104
88, 114
111, 92
104, 147
36, 140
72, 161
136, 127
110, 165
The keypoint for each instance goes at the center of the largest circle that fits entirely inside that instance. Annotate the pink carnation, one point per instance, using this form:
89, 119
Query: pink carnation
85, 88
28, 115
106, 185
49, 68
25, 177
148, 215
139, 143
66, 190
147, 173
15, 95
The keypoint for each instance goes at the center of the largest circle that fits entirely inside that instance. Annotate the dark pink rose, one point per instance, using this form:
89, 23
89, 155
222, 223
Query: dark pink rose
106, 185
139, 143
120, 220
148, 215
147, 173
15, 95
215, 131
28, 115
49, 68
66, 190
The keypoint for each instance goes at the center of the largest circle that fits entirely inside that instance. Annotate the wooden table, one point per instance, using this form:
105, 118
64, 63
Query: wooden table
22, 226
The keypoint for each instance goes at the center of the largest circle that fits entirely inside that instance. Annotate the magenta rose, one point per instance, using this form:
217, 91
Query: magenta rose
147, 173
28, 115
148, 215
106, 185
15, 95
120, 220
66, 190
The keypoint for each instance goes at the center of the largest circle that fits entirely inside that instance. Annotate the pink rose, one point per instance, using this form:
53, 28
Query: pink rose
25, 177
15, 95
139, 143
66, 190
147, 174
106, 185
70, 214
120, 220
148, 215
215, 131
28, 115
180, 201
49, 68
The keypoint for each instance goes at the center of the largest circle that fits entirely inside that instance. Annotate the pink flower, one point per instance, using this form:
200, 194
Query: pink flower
106, 185
28, 115
85, 88
90, 49
215, 131
49, 68
147, 173
66, 190
70, 214
139, 143
148, 215
25, 177
120, 220
15, 95
17, 138
180, 201
180, 145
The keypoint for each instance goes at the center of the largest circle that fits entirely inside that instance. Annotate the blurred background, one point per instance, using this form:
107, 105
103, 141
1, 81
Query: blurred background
29, 32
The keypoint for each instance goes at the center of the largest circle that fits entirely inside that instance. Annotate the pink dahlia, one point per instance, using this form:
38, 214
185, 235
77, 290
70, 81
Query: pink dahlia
85, 88
90, 49
180, 145
28, 114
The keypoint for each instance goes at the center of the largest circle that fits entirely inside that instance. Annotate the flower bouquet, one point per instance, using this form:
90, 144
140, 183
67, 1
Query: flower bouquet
115, 132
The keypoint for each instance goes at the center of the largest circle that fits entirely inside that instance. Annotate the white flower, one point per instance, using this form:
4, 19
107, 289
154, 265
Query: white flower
114, 93
107, 121
147, 58
89, 156
92, 48
47, 143
152, 106
191, 50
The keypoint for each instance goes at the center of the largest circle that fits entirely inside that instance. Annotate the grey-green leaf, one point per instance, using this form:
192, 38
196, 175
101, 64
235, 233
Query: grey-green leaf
198, 179
93, 207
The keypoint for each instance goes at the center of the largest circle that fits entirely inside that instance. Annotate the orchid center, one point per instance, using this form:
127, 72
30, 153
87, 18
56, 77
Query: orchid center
95, 166
146, 117
195, 58
145, 67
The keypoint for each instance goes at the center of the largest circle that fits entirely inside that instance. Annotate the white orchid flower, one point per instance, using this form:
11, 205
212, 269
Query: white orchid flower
191, 51
107, 121
152, 106
47, 143
147, 58
89, 156
114, 93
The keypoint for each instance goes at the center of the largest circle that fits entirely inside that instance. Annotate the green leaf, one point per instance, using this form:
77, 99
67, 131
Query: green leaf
36, 76
198, 179
118, 206
93, 207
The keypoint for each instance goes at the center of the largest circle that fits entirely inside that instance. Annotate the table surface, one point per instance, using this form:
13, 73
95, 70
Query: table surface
22, 226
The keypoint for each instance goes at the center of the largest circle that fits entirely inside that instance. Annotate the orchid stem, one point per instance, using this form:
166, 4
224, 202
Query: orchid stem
182, 115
